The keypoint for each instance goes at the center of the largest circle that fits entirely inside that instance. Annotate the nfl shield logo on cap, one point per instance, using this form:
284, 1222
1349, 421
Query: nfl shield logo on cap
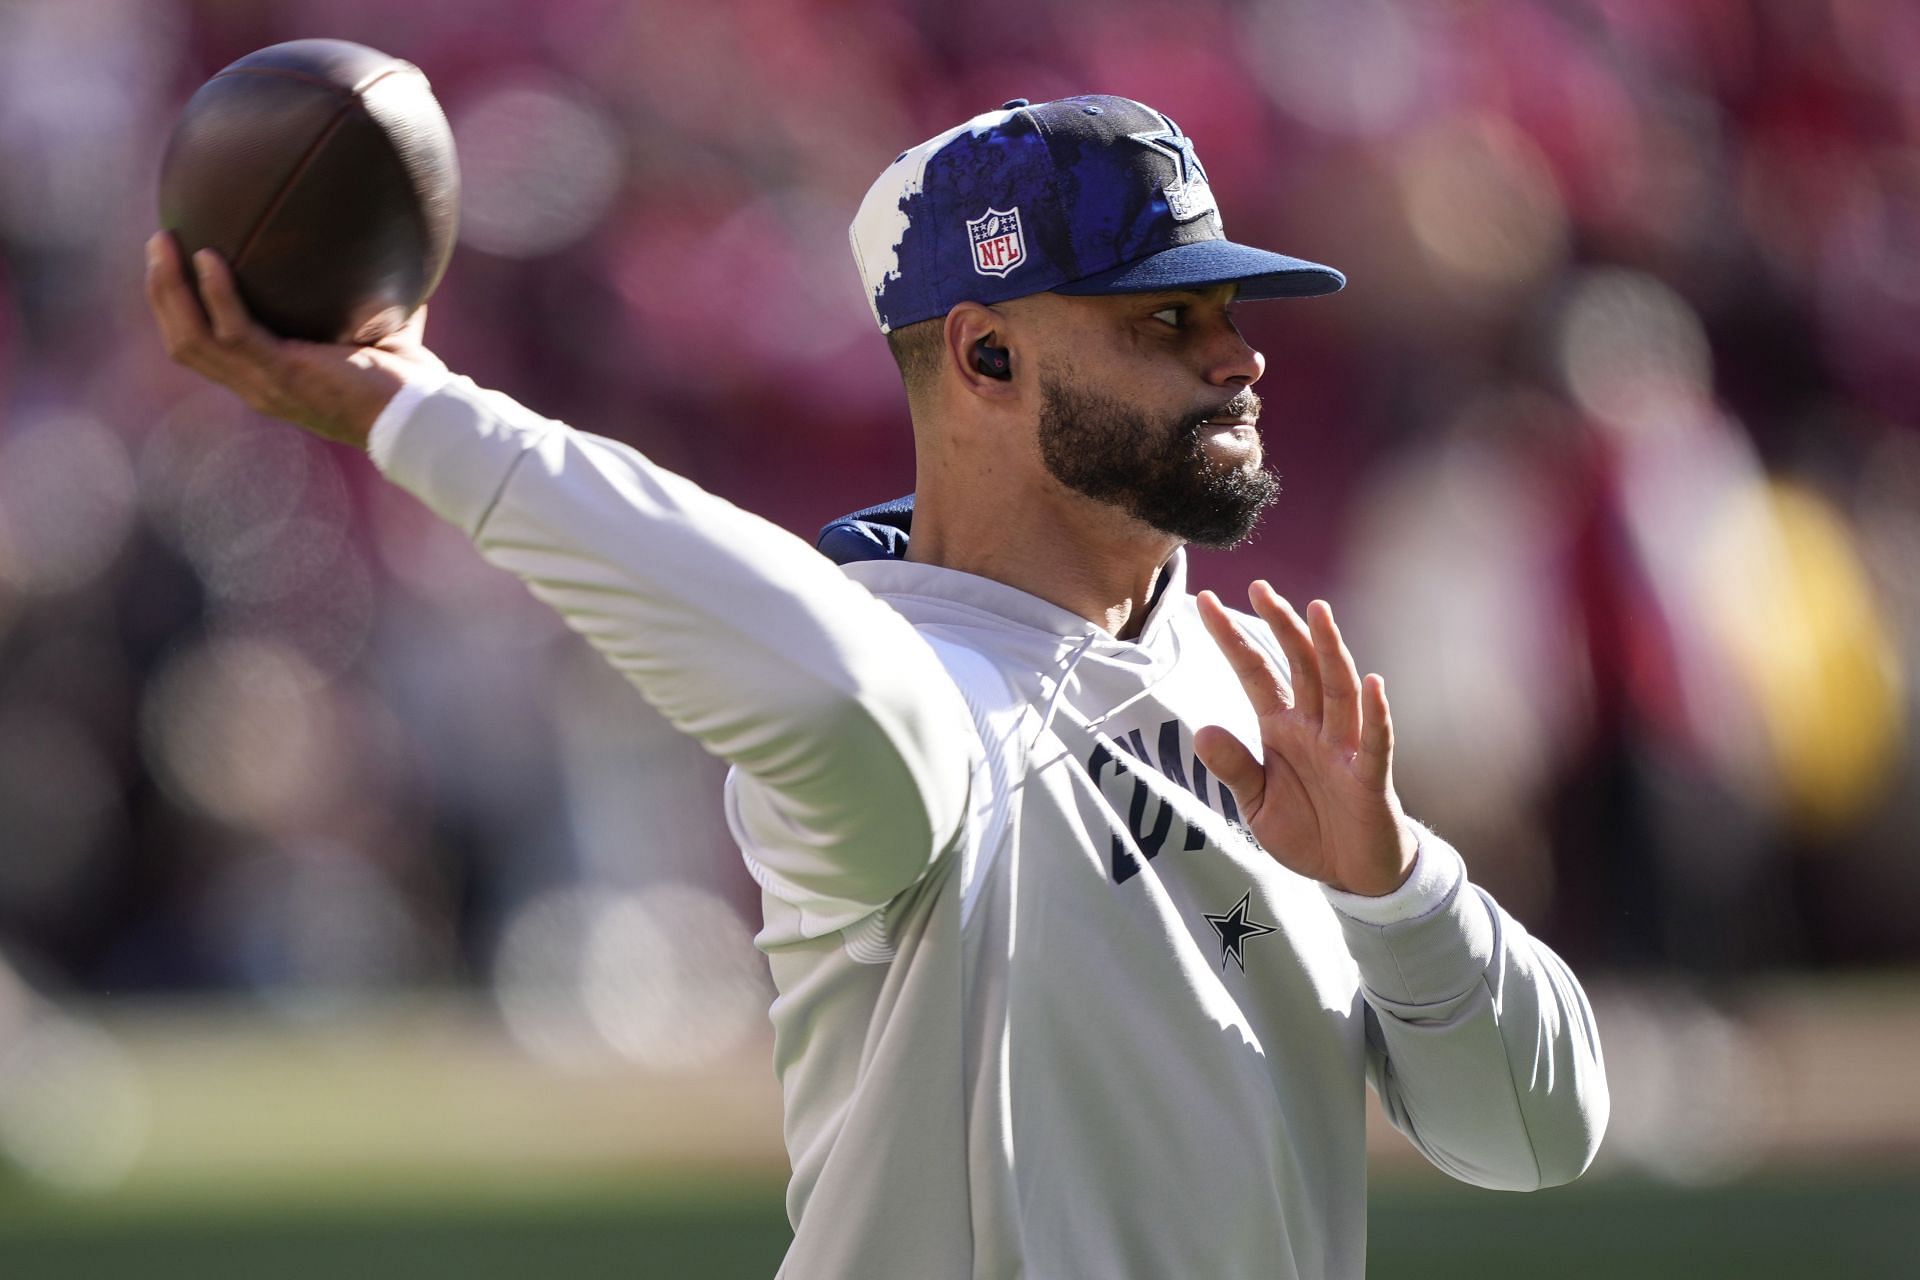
998, 246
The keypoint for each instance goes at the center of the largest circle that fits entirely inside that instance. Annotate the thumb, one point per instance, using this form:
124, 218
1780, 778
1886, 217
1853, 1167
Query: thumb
409, 338
1228, 759
408, 342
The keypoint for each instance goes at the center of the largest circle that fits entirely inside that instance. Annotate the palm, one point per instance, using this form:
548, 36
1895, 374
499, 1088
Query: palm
1321, 798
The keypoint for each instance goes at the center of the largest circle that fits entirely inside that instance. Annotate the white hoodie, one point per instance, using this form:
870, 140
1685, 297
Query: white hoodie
1045, 1009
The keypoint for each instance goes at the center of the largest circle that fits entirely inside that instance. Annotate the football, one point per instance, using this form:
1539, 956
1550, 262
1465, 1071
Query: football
324, 173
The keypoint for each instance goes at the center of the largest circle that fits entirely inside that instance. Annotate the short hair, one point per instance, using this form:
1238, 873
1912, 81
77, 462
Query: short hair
918, 348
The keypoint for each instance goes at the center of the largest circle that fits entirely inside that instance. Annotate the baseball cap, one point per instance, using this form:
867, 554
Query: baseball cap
1086, 195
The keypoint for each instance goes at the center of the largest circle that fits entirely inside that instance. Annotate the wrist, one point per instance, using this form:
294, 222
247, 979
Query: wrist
346, 411
1434, 876
1394, 872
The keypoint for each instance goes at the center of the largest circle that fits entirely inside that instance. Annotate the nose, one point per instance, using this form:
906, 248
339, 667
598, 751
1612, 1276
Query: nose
1233, 360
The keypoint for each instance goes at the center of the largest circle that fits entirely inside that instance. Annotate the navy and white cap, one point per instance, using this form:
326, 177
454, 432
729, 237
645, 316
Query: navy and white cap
1083, 195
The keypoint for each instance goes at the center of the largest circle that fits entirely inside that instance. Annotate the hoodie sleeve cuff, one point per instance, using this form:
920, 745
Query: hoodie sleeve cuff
418, 386
1419, 960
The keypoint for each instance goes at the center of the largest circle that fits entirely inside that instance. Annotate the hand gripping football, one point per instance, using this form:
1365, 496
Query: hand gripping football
324, 173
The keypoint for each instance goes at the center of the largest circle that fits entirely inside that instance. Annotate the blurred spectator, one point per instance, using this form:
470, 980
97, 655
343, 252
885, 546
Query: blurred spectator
1611, 451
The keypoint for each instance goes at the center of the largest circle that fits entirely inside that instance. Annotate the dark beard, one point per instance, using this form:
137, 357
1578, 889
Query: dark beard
1156, 472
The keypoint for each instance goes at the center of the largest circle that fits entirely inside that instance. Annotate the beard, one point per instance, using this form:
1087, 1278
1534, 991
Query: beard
1156, 471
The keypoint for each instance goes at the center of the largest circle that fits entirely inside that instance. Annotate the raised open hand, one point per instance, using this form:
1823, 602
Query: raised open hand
333, 391
1321, 802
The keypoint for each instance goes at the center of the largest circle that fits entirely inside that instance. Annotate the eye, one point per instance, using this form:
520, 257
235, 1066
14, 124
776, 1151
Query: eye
1173, 316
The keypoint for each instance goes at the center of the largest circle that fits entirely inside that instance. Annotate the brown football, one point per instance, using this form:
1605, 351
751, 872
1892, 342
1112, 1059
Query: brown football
324, 173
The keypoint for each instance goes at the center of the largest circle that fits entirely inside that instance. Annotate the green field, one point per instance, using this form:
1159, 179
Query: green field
414, 1140
1839, 1227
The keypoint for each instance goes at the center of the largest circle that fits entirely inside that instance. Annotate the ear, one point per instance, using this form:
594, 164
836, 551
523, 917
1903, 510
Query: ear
969, 324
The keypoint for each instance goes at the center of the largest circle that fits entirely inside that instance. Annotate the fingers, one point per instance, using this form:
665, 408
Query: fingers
209, 331
1376, 732
1339, 679
1229, 761
1326, 682
1303, 666
183, 326
233, 327
1262, 683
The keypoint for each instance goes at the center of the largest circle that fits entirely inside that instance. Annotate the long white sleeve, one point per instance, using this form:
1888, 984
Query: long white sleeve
1481, 1043
852, 749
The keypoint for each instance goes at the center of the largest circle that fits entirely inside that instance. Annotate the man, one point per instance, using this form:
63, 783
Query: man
1087, 921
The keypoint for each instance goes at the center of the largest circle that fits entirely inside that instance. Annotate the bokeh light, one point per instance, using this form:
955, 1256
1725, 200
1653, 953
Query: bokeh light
66, 504
73, 1108
244, 731
1359, 67
1692, 1089
664, 977
1633, 353
1483, 205
539, 167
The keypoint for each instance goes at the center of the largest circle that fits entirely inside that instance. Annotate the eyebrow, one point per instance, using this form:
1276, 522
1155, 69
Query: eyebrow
1190, 295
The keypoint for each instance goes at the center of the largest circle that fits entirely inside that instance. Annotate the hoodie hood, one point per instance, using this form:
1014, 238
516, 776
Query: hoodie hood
871, 544
876, 533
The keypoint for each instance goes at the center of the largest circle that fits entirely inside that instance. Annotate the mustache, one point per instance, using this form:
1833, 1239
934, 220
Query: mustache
1244, 405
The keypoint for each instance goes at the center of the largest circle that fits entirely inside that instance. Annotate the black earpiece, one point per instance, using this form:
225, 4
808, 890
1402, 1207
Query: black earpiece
993, 361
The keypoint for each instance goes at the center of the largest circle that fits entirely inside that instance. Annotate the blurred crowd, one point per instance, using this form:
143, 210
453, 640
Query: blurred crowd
1609, 455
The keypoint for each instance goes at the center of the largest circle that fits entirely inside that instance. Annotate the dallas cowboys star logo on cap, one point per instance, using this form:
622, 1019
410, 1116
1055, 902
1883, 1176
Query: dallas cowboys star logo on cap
1188, 196
1235, 928
1175, 146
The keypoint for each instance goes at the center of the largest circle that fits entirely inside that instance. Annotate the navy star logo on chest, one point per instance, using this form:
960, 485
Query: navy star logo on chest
1235, 928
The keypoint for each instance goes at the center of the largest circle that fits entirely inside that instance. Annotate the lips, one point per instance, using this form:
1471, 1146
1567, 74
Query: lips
1241, 411
1230, 441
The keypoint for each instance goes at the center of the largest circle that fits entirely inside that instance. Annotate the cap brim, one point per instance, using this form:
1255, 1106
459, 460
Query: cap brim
1259, 274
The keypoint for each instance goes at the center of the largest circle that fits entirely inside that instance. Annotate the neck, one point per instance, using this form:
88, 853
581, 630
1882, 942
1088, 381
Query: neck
1057, 545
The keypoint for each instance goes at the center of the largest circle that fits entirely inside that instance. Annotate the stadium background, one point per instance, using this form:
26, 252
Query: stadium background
351, 917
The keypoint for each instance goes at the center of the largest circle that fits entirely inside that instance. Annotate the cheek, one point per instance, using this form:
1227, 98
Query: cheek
1127, 365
